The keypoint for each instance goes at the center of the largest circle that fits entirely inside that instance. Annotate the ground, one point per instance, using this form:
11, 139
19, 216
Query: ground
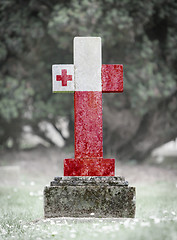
24, 174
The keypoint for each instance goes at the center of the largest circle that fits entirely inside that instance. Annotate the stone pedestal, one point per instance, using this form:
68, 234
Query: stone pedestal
89, 197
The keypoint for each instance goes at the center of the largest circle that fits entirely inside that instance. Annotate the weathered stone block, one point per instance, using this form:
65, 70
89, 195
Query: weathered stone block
89, 197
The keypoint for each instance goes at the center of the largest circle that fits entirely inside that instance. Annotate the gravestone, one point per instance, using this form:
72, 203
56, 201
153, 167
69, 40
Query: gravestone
89, 187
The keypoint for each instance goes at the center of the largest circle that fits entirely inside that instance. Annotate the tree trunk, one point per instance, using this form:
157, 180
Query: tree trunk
156, 127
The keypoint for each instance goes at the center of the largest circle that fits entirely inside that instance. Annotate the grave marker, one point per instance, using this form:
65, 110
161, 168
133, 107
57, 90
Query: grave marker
89, 184
90, 78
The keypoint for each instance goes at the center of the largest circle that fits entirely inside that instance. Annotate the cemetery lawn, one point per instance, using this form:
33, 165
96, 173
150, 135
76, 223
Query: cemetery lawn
21, 208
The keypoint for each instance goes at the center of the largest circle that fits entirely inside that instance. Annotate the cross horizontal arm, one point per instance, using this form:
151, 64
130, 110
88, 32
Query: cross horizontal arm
112, 78
63, 78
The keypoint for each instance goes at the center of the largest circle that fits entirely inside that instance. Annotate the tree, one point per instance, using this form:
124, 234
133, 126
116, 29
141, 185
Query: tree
141, 35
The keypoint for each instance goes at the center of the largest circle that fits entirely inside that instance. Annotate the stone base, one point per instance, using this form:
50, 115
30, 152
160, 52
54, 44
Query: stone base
89, 197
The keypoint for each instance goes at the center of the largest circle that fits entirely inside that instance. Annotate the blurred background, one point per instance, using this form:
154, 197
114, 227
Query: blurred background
141, 35
37, 127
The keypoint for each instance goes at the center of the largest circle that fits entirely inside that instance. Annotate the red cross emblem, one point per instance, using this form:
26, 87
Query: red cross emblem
64, 77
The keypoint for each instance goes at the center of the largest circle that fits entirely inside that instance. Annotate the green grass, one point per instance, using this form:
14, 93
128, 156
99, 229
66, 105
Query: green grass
21, 216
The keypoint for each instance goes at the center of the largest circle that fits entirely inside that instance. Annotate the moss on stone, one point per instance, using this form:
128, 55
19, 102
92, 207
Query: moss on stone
81, 201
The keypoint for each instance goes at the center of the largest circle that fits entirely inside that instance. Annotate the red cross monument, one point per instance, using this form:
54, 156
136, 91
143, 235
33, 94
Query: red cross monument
88, 79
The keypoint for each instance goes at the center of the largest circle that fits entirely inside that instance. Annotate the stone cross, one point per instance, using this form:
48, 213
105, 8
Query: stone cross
88, 79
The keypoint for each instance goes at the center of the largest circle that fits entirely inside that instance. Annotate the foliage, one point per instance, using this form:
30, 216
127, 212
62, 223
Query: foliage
35, 34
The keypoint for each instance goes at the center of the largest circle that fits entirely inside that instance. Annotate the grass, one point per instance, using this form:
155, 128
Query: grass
21, 216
